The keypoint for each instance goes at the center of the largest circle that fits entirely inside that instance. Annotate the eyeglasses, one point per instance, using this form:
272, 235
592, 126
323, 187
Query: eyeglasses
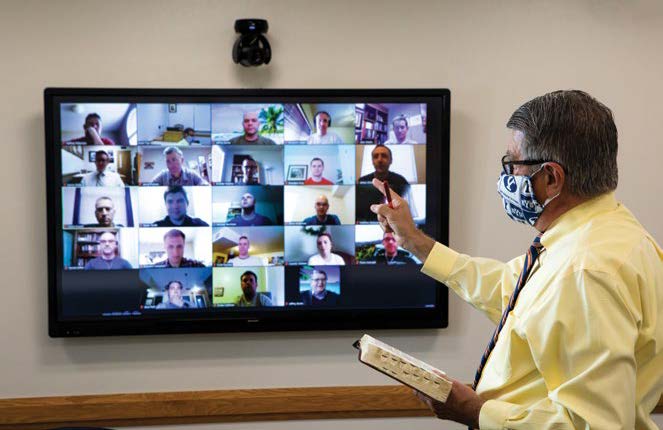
507, 165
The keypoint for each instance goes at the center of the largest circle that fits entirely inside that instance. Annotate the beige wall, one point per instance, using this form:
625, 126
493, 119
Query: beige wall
492, 55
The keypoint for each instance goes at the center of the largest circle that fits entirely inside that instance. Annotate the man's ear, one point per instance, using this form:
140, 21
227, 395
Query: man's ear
555, 178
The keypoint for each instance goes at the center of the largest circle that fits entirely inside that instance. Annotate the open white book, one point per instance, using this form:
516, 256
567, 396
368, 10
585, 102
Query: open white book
403, 368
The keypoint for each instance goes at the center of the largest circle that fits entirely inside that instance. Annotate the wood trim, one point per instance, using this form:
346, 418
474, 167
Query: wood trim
191, 407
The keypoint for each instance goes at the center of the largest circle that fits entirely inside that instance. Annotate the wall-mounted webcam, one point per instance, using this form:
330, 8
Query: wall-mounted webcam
251, 48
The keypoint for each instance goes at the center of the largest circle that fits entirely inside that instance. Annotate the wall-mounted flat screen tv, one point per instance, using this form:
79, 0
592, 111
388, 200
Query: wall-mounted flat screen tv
183, 211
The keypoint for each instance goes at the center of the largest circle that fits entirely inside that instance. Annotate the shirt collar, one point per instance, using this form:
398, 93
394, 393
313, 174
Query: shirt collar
249, 302
183, 174
578, 216
320, 296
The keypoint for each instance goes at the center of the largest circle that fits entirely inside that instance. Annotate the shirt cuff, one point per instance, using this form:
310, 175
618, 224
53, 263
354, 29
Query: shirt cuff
494, 413
439, 262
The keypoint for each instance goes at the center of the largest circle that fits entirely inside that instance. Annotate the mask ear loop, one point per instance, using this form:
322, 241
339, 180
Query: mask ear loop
547, 201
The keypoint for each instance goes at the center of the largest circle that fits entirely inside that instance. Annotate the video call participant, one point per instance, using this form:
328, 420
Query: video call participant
317, 167
324, 255
249, 217
244, 259
102, 177
92, 127
176, 173
382, 158
250, 296
107, 260
188, 134
249, 169
177, 203
367, 195
104, 211
318, 295
323, 121
175, 300
251, 124
400, 127
390, 254
321, 216
173, 242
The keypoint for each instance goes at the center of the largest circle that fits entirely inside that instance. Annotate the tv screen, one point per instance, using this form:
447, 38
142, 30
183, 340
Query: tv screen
181, 211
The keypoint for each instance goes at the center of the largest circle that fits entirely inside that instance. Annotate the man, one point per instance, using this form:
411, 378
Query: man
317, 167
251, 124
104, 211
367, 195
249, 170
249, 217
575, 342
318, 295
102, 177
400, 128
176, 173
175, 300
174, 241
177, 204
381, 158
92, 128
323, 121
321, 216
107, 259
325, 256
244, 259
390, 254
189, 135
250, 295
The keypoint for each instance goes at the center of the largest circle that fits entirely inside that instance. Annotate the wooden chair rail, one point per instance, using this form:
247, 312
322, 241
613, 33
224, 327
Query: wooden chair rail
191, 407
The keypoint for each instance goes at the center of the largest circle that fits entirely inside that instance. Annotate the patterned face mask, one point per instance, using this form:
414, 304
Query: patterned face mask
518, 197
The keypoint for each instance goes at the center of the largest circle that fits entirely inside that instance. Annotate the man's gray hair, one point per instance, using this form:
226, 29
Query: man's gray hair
172, 149
575, 130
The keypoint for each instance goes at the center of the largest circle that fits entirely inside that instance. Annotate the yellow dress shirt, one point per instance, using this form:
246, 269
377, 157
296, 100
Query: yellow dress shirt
583, 347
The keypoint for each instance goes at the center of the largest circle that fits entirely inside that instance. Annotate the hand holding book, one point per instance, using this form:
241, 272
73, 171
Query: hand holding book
447, 398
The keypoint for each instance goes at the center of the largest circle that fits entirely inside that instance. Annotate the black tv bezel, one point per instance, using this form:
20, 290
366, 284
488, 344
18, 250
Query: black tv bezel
285, 320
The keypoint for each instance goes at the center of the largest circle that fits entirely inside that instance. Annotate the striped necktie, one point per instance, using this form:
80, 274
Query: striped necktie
532, 254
